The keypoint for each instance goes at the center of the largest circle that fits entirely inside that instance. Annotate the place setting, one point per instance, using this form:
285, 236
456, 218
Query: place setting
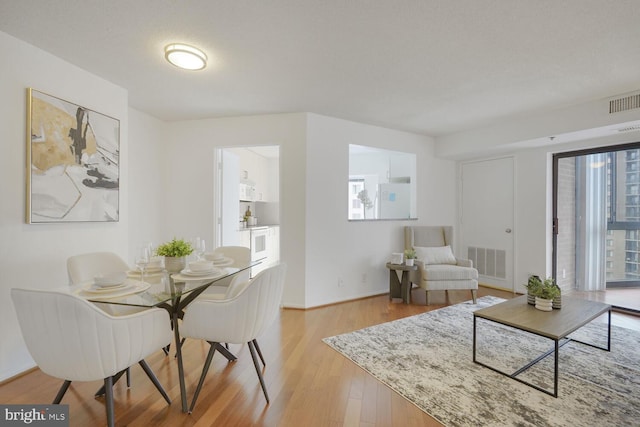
218, 259
112, 286
199, 270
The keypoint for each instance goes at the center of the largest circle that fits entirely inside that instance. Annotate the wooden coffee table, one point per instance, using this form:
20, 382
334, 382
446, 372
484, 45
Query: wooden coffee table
555, 325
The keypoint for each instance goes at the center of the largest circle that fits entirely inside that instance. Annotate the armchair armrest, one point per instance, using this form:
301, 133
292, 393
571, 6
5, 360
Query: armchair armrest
416, 275
464, 262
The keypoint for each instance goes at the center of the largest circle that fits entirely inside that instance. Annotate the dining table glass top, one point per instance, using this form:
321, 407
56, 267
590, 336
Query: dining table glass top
154, 291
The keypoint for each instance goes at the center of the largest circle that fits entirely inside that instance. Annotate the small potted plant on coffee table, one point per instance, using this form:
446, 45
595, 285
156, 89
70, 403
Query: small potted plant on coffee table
545, 292
175, 253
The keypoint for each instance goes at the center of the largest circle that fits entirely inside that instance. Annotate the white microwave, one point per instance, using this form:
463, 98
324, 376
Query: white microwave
247, 192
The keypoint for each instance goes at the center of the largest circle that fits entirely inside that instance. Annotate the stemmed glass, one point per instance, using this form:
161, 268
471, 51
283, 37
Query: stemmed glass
199, 248
142, 260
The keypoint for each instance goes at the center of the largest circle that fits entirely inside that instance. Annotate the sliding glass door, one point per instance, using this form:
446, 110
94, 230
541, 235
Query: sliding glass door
596, 211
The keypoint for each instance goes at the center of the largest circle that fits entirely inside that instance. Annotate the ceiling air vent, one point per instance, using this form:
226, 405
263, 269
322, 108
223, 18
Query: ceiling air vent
624, 104
630, 129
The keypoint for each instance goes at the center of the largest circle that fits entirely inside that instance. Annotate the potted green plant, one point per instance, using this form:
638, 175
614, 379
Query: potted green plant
175, 253
545, 292
409, 256
533, 285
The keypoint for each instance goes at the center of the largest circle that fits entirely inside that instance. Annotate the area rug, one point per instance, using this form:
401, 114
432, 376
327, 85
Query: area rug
428, 360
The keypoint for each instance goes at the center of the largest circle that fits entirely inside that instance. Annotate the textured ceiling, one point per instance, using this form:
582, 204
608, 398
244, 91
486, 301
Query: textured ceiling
428, 66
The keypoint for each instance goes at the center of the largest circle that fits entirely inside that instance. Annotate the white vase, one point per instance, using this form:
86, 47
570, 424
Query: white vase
544, 304
174, 264
408, 262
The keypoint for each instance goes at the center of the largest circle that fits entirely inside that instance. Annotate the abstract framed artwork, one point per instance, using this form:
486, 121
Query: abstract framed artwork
73, 162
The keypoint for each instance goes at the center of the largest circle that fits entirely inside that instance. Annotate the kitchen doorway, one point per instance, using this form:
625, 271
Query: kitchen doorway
247, 211
596, 224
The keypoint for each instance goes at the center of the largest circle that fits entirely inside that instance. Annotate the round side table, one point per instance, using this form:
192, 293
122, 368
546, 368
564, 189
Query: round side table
400, 288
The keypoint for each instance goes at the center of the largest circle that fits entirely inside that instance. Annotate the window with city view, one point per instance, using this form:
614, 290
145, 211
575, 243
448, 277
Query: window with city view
623, 218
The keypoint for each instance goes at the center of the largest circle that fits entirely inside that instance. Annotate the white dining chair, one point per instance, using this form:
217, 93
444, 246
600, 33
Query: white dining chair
71, 339
85, 267
241, 256
242, 318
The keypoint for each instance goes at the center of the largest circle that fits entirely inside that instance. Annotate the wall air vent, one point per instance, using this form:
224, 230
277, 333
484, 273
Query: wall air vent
624, 104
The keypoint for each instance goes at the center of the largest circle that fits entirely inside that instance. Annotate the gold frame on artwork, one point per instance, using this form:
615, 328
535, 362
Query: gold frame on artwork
73, 162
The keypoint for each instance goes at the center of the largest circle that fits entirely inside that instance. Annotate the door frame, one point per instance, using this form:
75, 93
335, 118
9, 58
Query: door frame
554, 210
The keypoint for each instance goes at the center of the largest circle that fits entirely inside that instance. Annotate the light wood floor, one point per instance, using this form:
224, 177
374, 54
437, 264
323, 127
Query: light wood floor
309, 383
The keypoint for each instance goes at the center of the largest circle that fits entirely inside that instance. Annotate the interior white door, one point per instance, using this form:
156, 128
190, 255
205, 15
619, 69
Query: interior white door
487, 230
229, 200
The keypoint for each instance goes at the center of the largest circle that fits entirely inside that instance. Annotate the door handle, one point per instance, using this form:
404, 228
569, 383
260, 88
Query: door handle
508, 230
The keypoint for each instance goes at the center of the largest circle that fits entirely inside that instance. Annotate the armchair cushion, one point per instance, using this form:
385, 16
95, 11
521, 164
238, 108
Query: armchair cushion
436, 255
448, 272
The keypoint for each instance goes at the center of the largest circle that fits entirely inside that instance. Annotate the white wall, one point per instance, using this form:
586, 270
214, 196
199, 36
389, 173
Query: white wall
533, 210
317, 242
346, 260
147, 195
190, 149
35, 255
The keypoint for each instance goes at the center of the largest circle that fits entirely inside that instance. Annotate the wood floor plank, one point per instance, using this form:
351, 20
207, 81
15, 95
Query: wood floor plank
309, 383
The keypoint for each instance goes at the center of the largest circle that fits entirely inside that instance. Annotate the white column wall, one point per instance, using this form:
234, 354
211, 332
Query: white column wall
190, 178
346, 260
147, 177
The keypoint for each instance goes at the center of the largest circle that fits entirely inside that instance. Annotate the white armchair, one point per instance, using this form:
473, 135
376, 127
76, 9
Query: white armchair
251, 308
71, 339
438, 268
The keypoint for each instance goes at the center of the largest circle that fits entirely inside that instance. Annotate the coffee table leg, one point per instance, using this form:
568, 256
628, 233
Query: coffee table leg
609, 332
555, 371
474, 338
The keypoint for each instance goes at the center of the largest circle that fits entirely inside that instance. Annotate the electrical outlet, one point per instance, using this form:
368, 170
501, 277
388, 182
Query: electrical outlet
564, 273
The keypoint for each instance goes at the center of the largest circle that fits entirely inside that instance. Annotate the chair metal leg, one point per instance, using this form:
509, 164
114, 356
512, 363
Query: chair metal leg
154, 380
255, 343
61, 392
108, 388
181, 343
427, 296
255, 363
474, 295
205, 369
116, 377
128, 377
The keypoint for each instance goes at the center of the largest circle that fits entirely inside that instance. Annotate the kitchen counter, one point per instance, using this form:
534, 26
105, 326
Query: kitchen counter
258, 227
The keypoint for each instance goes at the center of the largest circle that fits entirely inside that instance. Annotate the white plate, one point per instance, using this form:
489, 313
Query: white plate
110, 280
131, 287
223, 262
101, 289
188, 272
147, 272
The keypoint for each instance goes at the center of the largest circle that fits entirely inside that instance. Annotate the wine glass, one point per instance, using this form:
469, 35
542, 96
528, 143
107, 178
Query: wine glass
142, 260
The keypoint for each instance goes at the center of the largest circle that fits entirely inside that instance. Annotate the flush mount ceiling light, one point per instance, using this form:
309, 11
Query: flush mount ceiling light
185, 56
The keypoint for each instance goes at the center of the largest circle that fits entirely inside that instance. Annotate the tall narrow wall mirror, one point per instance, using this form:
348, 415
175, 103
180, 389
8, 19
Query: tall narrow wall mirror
382, 184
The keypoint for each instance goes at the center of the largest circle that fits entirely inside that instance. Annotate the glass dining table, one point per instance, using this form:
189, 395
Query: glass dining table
173, 295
